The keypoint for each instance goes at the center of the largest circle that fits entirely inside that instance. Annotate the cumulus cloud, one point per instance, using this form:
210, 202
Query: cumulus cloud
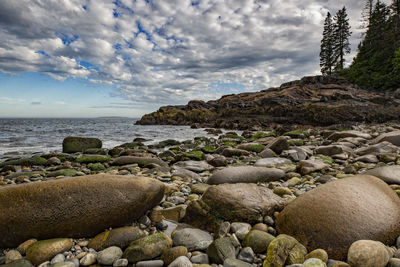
168, 51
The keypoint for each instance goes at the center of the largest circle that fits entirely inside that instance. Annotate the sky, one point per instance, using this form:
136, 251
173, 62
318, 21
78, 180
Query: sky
90, 58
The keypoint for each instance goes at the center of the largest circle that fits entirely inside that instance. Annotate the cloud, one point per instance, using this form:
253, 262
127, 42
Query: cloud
36, 103
11, 101
166, 52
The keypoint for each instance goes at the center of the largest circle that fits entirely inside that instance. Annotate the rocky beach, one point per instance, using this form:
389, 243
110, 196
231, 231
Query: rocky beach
312, 196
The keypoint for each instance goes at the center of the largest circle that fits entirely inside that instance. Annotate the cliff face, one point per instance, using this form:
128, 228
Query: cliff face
317, 101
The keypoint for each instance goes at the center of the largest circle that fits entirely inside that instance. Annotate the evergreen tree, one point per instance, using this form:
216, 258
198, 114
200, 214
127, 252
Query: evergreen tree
326, 53
367, 14
341, 34
396, 7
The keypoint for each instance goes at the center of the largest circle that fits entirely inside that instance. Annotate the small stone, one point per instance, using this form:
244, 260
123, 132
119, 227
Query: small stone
192, 239
221, 249
22, 247
109, 255
246, 254
181, 261
258, 240
201, 258
281, 191
319, 254
314, 262
12, 255
150, 263
261, 227
45, 264
147, 248
294, 181
89, 259
393, 263
169, 255
64, 264
75, 261
223, 229
236, 263
57, 258
120, 263
368, 253
240, 229
45, 250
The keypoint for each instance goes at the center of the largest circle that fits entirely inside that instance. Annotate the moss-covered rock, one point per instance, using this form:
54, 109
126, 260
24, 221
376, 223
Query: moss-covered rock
208, 149
284, 250
147, 247
45, 250
168, 142
258, 240
93, 159
255, 148
96, 167
260, 135
120, 237
79, 144
230, 144
35, 160
191, 155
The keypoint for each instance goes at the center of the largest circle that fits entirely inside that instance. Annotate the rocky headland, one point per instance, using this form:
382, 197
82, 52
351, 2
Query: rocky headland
315, 101
304, 198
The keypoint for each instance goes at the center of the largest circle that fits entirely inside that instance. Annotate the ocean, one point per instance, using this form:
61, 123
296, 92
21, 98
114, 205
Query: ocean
23, 137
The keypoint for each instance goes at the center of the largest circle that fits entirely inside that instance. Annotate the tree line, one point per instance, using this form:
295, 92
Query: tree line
377, 63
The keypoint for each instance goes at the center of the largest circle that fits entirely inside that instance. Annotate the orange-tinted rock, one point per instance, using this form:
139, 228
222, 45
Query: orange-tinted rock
336, 214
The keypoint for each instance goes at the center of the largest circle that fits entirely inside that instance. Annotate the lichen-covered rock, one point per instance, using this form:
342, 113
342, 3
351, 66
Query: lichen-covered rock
147, 247
245, 174
343, 211
59, 208
368, 253
45, 250
284, 250
120, 237
79, 144
232, 202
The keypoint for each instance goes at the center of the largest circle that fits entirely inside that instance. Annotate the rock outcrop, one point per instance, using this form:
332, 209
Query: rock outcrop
317, 100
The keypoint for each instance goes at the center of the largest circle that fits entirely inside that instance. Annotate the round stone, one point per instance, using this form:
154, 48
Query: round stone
109, 255
368, 253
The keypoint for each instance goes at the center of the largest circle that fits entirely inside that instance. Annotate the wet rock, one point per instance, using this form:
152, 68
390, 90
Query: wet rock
311, 165
26, 212
245, 174
389, 174
232, 202
169, 255
195, 166
284, 250
391, 137
258, 240
181, 261
120, 237
141, 161
109, 255
368, 253
192, 239
45, 250
147, 248
221, 249
80, 144
344, 211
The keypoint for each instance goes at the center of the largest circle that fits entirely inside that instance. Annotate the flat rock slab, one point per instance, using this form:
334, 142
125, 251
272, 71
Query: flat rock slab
392, 137
345, 134
389, 174
74, 207
232, 202
245, 174
195, 166
336, 214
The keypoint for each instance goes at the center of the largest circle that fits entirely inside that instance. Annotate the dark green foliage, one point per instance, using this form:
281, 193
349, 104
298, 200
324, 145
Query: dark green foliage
376, 64
341, 34
326, 53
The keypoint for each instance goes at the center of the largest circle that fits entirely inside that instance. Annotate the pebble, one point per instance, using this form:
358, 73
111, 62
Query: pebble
109, 255
181, 261
89, 259
246, 254
150, 263
120, 263
64, 264
12, 255
57, 258
200, 259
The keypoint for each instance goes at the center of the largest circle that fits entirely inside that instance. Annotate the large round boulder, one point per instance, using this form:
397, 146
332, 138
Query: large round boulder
232, 202
336, 214
73, 144
245, 174
74, 207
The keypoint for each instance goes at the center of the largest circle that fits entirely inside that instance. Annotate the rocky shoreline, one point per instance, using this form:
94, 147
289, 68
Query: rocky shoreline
308, 197
315, 101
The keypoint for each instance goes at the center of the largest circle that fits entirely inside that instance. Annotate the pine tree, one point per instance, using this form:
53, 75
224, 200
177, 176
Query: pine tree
341, 34
326, 53
367, 14
396, 7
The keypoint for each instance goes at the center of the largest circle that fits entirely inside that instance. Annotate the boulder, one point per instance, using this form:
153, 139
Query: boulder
192, 239
368, 253
120, 237
232, 202
329, 150
269, 162
258, 240
343, 211
377, 149
389, 174
392, 137
279, 144
245, 174
74, 207
141, 161
344, 134
79, 144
